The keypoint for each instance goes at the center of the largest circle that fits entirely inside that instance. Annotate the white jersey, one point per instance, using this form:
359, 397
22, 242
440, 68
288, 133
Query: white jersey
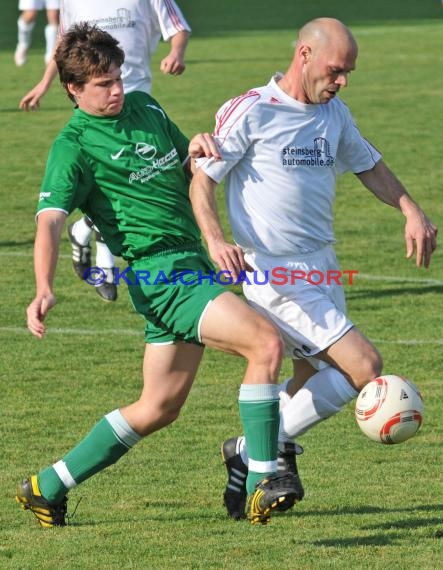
280, 158
137, 24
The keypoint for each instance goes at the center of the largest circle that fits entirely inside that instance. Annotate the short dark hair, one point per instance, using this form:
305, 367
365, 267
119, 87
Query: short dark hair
85, 51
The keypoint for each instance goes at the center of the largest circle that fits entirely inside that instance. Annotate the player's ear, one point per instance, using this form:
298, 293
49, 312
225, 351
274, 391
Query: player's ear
305, 52
74, 90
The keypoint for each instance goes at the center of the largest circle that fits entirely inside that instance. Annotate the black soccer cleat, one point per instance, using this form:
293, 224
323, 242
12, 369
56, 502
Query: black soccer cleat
286, 458
108, 289
234, 497
30, 498
81, 255
277, 492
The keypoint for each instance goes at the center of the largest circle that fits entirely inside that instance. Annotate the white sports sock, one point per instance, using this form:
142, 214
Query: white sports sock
24, 32
104, 257
323, 395
51, 31
82, 232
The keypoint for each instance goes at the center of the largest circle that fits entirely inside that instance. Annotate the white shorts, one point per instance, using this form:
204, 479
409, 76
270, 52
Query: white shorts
38, 5
310, 312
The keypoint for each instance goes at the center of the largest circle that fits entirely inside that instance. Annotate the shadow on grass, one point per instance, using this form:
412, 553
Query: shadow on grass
17, 243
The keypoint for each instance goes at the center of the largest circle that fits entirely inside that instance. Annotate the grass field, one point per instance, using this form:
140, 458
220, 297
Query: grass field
367, 506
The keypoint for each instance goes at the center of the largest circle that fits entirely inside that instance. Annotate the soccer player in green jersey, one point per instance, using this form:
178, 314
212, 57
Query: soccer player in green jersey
126, 165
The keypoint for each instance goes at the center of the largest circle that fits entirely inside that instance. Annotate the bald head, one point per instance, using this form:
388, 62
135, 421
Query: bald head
325, 54
322, 33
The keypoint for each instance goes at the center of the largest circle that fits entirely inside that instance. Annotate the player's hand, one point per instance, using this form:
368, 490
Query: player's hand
204, 145
31, 101
172, 64
37, 311
229, 258
421, 232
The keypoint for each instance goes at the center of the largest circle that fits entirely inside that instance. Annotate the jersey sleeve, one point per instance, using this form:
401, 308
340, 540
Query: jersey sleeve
67, 179
355, 153
232, 134
169, 18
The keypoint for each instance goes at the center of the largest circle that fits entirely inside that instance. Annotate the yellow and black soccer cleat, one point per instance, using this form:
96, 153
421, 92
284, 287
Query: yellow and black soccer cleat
277, 492
30, 498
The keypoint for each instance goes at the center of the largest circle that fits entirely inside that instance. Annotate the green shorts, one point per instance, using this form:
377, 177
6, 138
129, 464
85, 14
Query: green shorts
172, 290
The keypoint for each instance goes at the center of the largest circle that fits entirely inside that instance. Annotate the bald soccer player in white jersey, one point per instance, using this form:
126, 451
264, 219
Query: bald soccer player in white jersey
138, 25
282, 146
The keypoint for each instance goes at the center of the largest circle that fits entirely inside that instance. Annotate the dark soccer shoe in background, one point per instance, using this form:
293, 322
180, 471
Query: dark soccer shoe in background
234, 497
47, 514
108, 289
287, 453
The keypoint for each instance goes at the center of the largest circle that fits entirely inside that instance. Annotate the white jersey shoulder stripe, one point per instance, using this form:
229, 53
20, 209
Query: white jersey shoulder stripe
234, 110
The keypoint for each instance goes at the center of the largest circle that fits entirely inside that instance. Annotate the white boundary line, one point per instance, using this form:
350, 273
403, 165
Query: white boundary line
393, 279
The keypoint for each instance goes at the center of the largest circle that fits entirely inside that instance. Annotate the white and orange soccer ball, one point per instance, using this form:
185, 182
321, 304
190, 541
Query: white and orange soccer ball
389, 409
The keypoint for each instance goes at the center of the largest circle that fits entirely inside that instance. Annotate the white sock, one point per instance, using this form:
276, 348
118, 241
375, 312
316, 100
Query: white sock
104, 257
82, 232
24, 32
323, 395
51, 31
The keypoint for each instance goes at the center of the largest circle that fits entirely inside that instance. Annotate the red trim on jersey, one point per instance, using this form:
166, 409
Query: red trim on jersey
173, 14
232, 108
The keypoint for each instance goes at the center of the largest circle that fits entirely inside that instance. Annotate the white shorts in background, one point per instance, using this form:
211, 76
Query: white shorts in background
38, 5
310, 317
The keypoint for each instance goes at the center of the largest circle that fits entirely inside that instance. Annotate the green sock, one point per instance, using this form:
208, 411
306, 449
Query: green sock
108, 440
260, 416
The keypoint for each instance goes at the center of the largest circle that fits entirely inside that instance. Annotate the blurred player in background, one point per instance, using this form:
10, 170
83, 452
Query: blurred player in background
138, 25
282, 146
29, 10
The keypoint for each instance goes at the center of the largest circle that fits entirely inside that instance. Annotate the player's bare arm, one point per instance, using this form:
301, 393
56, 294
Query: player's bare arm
174, 62
31, 101
419, 230
227, 256
49, 227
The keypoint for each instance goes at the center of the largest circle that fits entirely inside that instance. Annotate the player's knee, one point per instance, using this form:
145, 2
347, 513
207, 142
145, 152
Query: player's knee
150, 420
370, 366
269, 346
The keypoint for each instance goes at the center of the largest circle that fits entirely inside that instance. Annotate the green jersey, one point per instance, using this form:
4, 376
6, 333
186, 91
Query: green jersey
126, 173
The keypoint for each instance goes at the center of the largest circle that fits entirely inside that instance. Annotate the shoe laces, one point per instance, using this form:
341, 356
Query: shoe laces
71, 516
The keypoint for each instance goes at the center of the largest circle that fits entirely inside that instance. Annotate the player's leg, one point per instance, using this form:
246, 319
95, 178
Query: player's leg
51, 30
25, 25
355, 356
79, 234
106, 261
310, 318
230, 325
168, 372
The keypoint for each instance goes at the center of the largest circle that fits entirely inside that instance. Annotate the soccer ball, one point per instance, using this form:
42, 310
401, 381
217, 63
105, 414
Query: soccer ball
389, 409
